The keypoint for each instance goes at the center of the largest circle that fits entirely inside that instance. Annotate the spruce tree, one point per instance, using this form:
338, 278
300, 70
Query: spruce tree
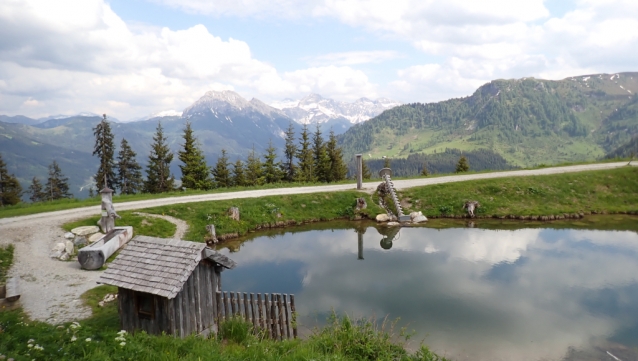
365, 171
195, 171
321, 162
105, 151
271, 167
10, 188
338, 169
304, 155
462, 165
158, 177
221, 172
290, 152
424, 170
254, 175
57, 185
386, 162
129, 172
37, 192
239, 178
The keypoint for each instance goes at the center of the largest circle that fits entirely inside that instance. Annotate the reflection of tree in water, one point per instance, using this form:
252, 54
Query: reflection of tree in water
389, 234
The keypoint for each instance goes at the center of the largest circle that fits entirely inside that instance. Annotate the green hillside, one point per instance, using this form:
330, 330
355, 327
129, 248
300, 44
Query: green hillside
527, 121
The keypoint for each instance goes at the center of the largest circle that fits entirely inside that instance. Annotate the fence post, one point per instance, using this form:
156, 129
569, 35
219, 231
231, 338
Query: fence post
293, 314
359, 161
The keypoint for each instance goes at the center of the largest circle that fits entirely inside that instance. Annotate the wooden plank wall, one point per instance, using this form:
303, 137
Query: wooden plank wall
193, 310
274, 314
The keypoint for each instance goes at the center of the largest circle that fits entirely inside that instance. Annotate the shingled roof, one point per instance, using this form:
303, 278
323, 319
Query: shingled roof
158, 266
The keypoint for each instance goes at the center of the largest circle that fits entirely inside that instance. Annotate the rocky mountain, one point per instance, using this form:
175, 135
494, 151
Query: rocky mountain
331, 113
527, 121
221, 120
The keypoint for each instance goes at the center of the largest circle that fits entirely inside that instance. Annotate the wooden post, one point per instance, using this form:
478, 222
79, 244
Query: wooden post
359, 162
273, 316
218, 298
293, 313
286, 314
360, 245
226, 308
261, 315
232, 303
246, 314
268, 325
252, 311
281, 317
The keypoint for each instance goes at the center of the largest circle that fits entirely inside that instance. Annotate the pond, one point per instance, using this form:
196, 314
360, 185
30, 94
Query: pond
468, 293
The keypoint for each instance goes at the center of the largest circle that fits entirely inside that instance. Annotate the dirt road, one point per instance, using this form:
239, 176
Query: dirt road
51, 288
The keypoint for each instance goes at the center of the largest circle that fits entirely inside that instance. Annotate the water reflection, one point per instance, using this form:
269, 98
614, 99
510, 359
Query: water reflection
528, 294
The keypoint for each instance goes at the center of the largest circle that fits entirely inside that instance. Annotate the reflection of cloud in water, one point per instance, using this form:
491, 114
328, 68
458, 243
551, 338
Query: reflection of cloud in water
522, 295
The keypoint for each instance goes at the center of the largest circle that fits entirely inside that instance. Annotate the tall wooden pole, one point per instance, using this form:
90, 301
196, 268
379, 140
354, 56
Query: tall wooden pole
359, 171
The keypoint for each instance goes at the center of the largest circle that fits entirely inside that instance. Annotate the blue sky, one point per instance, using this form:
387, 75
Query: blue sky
136, 57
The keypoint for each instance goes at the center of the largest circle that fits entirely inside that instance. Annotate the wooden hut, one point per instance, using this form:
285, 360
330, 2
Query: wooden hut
167, 285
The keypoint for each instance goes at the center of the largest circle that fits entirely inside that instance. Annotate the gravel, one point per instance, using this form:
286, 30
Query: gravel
51, 288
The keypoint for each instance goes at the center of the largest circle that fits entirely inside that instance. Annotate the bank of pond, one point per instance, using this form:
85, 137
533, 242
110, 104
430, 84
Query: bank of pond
481, 289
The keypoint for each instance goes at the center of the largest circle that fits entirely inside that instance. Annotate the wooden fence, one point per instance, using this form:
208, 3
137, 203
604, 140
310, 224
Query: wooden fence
272, 314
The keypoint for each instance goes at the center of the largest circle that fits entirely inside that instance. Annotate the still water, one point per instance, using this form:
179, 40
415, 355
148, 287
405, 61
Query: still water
469, 293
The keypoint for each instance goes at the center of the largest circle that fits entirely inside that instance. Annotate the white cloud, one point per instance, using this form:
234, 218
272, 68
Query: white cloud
89, 59
353, 57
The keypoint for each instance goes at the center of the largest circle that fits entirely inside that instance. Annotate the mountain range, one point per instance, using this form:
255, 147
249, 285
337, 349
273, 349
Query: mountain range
527, 121
221, 120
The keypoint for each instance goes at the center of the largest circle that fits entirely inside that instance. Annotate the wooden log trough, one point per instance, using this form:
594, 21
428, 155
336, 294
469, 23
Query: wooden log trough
10, 294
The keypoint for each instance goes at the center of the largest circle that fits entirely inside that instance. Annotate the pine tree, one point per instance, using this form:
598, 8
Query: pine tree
424, 170
221, 171
57, 185
288, 166
365, 171
105, 151
321, 162
158, 177
338, 169
254, 175
10, 188
462, 165
195, 171
239, 179
271, 167
129, 172
304, 155
37, 192
386, 162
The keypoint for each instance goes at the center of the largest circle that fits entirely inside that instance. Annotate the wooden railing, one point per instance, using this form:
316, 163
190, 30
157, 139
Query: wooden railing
273, 314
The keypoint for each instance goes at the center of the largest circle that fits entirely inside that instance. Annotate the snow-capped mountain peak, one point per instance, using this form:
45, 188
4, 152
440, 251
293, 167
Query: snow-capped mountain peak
314, 108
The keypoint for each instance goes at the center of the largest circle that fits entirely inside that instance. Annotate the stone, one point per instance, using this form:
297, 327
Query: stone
85, 230
382, 217
69, 247
59, 246
233, 213
471, 206
95, 237
55, 254
393, 224
419, 219
65, 256
361, 204
81, 241
69, 235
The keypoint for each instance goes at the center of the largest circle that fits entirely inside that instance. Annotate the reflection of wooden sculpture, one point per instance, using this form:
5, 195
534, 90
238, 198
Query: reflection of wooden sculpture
471, 206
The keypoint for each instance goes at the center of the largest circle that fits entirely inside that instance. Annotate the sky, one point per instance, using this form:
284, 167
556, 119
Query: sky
132, 58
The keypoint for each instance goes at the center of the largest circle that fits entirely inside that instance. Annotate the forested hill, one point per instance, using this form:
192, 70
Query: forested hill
441, 162
527, 121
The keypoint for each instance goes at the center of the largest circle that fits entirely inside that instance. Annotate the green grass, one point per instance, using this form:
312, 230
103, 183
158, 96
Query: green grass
24, 208
264, 212
97, 338
148, 226
612, 191
6, 260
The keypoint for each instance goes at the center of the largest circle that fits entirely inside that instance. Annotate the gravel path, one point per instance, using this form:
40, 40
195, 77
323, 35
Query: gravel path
51, 289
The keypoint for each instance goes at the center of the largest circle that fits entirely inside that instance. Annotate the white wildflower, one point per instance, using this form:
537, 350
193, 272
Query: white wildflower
31, 340
88, 339
29, 345
122, 344
73, 338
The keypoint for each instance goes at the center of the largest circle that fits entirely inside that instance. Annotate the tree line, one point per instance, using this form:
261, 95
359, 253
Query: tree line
308, 159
